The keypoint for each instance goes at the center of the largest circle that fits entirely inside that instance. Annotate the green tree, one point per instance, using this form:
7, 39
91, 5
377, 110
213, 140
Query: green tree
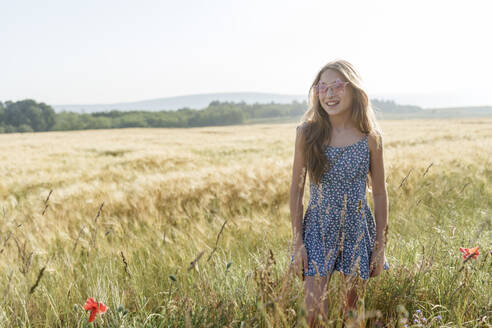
38, 116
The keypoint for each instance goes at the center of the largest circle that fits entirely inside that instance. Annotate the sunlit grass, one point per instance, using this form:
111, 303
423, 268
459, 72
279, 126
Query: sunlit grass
165, 194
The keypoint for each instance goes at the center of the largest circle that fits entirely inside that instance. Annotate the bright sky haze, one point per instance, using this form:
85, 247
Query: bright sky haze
89, 52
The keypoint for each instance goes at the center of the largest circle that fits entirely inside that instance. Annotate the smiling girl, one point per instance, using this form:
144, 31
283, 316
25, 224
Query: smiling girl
340, 146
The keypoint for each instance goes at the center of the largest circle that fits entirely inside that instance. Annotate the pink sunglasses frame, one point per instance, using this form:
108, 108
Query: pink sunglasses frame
335, 84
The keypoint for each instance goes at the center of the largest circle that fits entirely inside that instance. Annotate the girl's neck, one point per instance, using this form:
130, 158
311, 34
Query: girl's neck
341, 122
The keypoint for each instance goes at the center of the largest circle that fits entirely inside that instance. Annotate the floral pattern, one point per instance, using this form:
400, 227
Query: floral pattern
339, 229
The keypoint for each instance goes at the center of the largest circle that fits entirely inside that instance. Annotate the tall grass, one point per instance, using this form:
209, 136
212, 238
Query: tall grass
191, 228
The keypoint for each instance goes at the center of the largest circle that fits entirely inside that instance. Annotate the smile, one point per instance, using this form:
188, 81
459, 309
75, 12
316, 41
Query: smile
333, 103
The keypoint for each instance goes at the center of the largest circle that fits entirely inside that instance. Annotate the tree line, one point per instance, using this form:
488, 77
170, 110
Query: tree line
30, 116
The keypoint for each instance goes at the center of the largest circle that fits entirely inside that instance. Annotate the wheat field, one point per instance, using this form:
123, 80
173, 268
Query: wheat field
191, 228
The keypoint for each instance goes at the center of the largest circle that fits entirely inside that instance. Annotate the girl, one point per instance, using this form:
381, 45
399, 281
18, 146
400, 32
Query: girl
339, 144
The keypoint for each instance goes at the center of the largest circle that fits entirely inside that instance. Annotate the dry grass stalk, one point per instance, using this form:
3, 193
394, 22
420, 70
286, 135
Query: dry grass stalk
195, 261
217, 241
405, 178
464, 186
24, 257
46, 202
125, 263
427, 169
6, 241
77, 239
40, 274
98, 212
94, 230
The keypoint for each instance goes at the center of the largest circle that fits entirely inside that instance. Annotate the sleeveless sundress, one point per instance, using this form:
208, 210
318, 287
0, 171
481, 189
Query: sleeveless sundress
339, 229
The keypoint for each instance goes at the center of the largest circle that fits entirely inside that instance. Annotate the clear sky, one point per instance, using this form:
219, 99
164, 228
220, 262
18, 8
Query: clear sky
85, 52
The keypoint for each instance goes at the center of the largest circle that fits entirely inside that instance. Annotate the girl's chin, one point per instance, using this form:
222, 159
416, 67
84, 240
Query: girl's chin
334, 111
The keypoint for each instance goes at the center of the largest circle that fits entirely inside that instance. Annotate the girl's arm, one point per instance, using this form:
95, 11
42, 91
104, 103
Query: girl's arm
297, 186
379, 193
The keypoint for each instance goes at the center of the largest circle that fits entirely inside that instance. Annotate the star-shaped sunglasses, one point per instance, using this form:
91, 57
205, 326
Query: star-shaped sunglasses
337, 87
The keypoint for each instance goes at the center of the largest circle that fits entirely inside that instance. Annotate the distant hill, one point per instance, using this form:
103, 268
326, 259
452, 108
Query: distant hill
389, 109
448, 112
200, 101
385, 109
197, 101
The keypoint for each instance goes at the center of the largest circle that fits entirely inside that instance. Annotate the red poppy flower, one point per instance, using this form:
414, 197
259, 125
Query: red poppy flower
473, 252
94, 307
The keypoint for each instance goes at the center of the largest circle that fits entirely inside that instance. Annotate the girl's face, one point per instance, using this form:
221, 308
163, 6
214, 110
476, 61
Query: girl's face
337, 98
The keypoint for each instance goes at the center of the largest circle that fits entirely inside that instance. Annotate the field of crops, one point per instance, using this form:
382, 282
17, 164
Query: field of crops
191, 227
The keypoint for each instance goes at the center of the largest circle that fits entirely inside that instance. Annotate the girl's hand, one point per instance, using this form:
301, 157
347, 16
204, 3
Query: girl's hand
300, 260
377, 261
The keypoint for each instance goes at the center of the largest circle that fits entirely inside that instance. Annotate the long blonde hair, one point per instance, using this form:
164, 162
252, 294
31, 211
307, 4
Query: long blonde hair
316, 123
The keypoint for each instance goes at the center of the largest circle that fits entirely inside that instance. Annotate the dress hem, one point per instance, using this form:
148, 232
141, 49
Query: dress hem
385, 267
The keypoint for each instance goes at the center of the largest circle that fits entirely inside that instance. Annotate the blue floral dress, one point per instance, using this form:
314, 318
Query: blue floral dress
339, 229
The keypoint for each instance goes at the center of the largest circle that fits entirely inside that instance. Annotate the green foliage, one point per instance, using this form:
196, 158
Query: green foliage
28, 115
24, 128
224, 114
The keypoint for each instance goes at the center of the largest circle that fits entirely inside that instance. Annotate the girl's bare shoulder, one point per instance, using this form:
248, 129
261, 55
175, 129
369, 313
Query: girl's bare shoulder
374, 140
